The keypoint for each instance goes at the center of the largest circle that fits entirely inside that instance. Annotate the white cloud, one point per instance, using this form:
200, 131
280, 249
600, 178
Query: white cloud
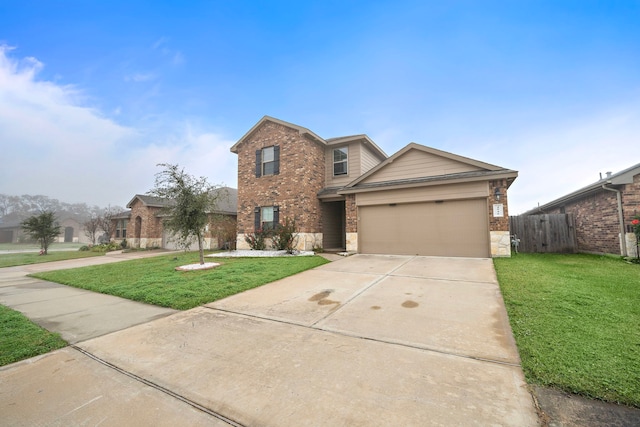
556, 161
51, 144
161, 45
139, 77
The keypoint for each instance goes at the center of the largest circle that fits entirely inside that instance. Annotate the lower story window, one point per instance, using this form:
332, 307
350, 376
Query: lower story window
266, 217
121, 229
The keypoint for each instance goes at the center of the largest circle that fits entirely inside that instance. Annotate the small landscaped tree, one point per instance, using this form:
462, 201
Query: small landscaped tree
43, 227
91, 227
189, 202
107, 224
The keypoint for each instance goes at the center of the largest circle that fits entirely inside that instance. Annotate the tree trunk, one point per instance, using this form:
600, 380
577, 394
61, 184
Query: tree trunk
201, 249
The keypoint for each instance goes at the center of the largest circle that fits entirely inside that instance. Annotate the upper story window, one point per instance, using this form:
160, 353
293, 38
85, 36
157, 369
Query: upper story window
268, 161
340, 161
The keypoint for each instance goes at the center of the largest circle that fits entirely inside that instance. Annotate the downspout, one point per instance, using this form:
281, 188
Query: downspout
623, 238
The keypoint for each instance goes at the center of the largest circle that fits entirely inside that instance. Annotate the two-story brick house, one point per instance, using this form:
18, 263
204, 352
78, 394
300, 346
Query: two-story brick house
346, 193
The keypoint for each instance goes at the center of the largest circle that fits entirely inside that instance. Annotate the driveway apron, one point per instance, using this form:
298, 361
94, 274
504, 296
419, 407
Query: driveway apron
367, 340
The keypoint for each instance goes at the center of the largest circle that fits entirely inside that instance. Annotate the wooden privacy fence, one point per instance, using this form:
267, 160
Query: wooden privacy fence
543, 233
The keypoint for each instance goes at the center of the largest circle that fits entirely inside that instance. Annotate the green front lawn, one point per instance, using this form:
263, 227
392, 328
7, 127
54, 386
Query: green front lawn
10, 260
21, 338
576, 320
155, 281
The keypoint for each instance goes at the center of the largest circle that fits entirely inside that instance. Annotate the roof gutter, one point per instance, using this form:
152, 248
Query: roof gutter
623, 238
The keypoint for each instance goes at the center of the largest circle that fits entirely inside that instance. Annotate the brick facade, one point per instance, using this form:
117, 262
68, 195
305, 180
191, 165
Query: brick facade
499, 223
294, 190
351, 213
145, 228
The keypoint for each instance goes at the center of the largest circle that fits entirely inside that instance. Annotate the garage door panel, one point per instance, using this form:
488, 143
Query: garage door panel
450, 228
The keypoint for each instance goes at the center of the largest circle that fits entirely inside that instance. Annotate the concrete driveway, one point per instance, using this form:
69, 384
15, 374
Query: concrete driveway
367, 340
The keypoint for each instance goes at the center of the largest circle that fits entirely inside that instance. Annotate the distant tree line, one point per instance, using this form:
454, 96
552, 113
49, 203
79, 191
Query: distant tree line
22, 207
96, 220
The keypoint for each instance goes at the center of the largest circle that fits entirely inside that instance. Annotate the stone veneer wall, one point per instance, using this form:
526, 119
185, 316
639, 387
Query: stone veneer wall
294, 190
303, 242
351, 225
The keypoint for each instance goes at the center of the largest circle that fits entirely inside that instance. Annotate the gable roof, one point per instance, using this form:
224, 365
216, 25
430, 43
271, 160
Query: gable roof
469, 170
354, 138
227, 202
300, 129
306, 132
151, 201
621, 178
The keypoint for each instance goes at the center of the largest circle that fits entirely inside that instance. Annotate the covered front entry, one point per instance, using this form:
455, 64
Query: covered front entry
333, 229
458, 228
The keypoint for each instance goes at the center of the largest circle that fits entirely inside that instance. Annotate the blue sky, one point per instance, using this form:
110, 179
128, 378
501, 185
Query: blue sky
94, 94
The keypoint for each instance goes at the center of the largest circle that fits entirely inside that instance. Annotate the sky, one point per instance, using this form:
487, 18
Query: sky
94, 95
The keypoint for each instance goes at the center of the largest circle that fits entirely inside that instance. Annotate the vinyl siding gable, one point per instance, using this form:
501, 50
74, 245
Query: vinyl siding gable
419, 164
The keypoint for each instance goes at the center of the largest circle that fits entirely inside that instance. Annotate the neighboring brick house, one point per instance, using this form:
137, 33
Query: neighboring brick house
142, 225
347, 194
603, 212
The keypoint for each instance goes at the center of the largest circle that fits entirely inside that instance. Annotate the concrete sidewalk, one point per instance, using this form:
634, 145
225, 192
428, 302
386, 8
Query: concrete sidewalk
76, 314
367, 340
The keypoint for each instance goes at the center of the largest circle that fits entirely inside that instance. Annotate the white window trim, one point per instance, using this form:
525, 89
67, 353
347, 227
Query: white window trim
346, 161
272, 161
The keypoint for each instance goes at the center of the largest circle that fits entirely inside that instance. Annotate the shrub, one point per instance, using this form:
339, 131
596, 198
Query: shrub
84, 248
257, 240
106, 247
285, 235
123, 244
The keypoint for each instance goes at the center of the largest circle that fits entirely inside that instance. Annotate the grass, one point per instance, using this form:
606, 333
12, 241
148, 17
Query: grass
10, 260
21, 339
576, 320
155, 281
36, 246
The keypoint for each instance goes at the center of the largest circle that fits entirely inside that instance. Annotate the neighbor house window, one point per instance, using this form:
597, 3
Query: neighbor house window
268, 161
340, 161
121, 229
266, 217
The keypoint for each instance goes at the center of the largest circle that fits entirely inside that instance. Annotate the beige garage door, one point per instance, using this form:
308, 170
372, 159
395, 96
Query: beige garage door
449, 228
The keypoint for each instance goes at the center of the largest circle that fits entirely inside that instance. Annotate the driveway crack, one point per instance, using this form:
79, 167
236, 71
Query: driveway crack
164, 390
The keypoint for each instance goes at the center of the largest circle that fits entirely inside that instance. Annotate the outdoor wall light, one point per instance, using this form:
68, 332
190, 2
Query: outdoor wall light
497, 193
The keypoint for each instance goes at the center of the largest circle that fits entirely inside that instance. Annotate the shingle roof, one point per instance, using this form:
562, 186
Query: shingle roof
227, 202
304, 131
